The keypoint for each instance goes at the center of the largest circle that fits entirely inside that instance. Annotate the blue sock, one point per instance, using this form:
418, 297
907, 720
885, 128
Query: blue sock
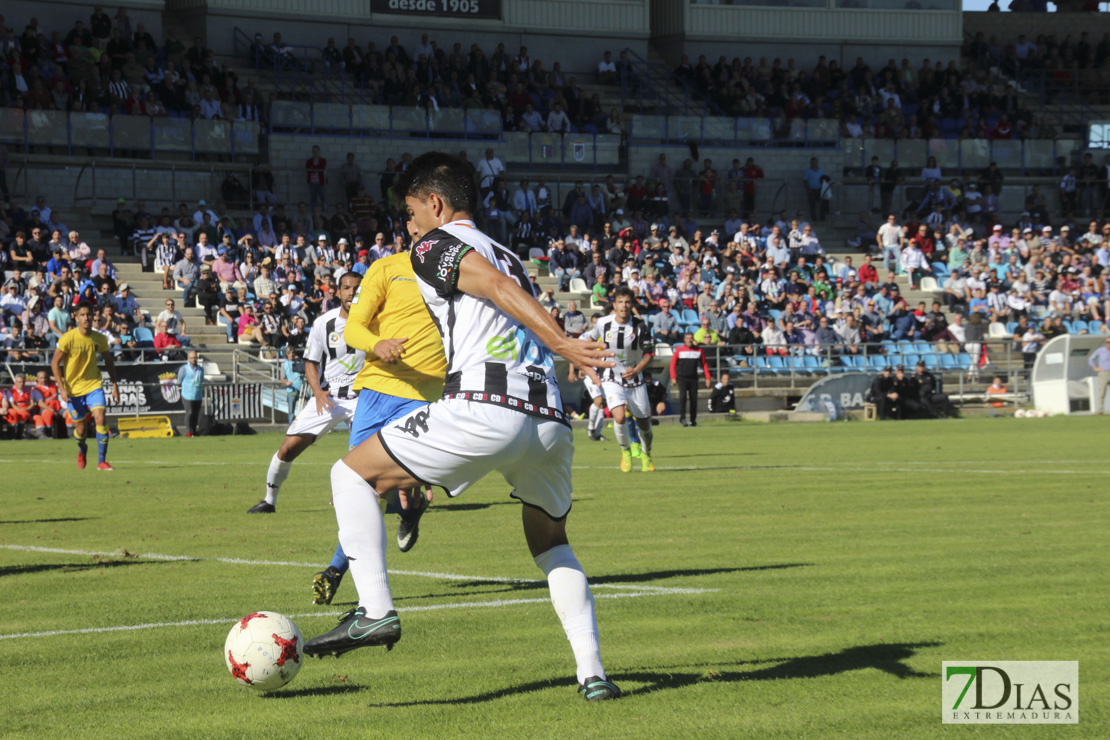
339, 560
102, 443
82, 446
633, 429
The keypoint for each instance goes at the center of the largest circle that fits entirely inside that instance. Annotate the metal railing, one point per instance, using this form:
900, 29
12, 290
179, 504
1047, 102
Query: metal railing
653, 86
124, 135
792, 371
739, 131
1029, 156
169, 174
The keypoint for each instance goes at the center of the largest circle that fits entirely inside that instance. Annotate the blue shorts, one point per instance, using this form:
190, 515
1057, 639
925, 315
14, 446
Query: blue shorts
80, 406
375, 410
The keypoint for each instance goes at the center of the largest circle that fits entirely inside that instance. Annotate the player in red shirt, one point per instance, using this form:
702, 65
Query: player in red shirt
22, 403
51, 406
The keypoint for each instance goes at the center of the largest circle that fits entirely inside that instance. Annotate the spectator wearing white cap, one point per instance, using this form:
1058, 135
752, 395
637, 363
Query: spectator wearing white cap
998, 240
202, 208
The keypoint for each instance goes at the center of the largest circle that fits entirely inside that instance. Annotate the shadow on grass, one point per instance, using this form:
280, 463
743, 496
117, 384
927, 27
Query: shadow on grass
343, 688
16, 570
469, 507
645, 578
48, 521
886, 658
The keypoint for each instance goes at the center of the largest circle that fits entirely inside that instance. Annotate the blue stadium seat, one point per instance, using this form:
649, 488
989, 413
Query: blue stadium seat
940, 270
1074, 327
1010, 326
963, 360
909, 361
1095, 327
931, 361
778, 365
144, 337
922, 348
763, 365
690, 316
949, 362
813, 365
735, 364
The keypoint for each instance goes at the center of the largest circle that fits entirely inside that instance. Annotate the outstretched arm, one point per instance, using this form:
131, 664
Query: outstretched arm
479, 278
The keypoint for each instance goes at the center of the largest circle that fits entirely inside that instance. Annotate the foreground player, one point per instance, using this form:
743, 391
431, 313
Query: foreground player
629, 339
81, 387
328, 356
500, 410
403, 372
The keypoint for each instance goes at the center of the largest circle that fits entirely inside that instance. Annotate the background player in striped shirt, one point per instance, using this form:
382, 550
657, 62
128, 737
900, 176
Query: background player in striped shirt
403, 371
81, 386
330, 358
629, 339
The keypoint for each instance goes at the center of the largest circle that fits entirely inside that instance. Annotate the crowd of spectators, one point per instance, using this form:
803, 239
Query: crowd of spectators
109, 65
1081, 64
529, 95
898, 100
47, 270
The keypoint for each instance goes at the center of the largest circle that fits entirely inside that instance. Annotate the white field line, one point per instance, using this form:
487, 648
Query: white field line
859, 467
231, 620
643, 590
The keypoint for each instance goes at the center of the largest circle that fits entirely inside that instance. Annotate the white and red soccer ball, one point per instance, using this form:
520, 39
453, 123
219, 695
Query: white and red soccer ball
264, 650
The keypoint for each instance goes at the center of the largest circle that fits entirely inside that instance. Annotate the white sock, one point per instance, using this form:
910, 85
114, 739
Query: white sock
597, 418
275, 476
592, 424
362, 534
647, 434
620, 431
573, 602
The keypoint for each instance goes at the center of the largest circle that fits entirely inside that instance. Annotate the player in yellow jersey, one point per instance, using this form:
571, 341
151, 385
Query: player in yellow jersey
403, 371
80, 385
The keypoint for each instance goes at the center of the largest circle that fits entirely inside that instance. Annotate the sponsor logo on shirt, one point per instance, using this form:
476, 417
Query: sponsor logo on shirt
423, 247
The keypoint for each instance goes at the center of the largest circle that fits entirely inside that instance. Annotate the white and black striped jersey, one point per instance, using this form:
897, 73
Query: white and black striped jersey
339, 364
628, 343
490, 357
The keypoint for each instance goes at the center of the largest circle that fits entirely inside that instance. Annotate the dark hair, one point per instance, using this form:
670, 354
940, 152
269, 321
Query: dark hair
443, 174
85, 305
351, 274
623, 292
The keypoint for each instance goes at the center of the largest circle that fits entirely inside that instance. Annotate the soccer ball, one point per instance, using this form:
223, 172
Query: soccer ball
264, 650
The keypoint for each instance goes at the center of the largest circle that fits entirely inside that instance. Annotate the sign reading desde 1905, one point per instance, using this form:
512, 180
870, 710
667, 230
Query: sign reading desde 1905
440, 8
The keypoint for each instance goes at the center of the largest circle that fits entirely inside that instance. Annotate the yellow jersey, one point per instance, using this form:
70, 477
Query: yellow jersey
388, 305
82, 376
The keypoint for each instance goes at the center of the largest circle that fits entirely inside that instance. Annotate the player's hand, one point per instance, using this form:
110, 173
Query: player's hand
628, 373
390, 350
585, 356
63, 397
324, 404
115, 393
708, 384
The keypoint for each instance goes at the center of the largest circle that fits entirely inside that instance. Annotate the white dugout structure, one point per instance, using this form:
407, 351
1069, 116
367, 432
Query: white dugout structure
1062, 381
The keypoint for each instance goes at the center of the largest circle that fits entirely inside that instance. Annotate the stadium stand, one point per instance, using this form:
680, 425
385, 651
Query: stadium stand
1005, 207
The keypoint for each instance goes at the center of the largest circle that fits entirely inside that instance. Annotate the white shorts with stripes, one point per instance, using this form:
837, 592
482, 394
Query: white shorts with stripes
311, 422
591, 387
636, 399
453, 443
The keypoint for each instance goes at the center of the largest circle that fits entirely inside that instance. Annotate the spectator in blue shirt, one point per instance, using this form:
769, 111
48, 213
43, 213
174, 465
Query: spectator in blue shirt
127, 308
1100, 362
293, 371
191, 379
812, 178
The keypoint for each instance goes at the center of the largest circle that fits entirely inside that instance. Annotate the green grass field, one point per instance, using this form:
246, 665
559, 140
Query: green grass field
767, 581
